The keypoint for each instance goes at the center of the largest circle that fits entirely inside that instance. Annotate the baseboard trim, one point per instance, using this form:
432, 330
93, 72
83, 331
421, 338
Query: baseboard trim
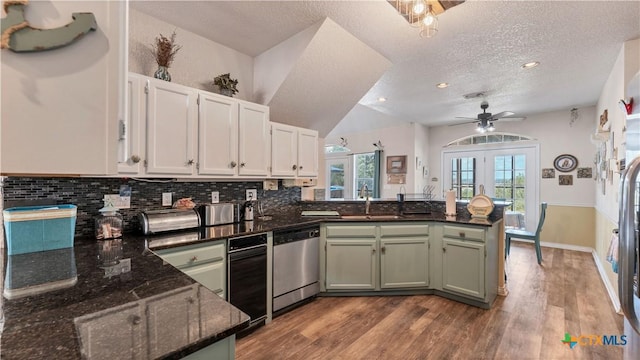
603, 274
607, 284
557, 245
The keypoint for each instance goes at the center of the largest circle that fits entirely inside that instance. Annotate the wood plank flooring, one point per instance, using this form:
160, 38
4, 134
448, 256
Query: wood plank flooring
565, 294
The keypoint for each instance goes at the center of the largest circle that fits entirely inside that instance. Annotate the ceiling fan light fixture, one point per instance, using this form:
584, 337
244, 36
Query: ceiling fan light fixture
429, 24
491, 127
418, 7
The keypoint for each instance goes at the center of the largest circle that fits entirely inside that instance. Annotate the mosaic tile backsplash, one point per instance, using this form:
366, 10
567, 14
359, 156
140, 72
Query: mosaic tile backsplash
87, 195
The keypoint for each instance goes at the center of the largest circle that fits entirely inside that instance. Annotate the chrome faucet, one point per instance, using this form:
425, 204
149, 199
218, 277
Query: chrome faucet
364, 192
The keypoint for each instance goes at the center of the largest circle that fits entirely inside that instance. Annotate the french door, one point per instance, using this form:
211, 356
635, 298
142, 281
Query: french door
509, 173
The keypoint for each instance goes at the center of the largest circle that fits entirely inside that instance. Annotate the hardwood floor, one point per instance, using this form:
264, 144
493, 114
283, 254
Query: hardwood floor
564, 295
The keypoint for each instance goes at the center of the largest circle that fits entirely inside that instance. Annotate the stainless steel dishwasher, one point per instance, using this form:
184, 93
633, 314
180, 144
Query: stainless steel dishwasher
296, 266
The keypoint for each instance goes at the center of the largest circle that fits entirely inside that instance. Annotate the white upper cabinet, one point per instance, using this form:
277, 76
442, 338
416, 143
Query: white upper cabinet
284, 150
307, 152
254, 154
217, 135
175, 130
171, 128
294, 151
132, 127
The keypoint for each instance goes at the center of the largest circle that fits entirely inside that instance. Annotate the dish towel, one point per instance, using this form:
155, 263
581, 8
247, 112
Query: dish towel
612, 253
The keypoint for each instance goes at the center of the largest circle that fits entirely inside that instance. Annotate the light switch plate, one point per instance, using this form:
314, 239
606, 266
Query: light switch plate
166, 199
215, 197
251, 194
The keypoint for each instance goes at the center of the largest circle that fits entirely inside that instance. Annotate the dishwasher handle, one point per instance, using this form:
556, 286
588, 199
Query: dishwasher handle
247, 252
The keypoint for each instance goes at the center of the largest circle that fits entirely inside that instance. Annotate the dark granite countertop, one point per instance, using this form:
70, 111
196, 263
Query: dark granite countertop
47, 325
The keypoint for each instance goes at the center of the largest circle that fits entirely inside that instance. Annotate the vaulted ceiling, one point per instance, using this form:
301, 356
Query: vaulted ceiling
480, 47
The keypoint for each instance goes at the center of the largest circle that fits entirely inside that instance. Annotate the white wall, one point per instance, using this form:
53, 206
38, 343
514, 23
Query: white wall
198, 62
555, 136
60, 107
421, 150
397, 140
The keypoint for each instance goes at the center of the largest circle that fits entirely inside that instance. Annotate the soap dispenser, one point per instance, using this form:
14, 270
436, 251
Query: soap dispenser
248, 211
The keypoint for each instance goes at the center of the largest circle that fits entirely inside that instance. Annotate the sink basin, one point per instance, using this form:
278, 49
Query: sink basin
371, 217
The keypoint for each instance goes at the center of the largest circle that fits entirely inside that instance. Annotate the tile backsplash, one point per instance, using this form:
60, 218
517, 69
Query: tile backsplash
87, 195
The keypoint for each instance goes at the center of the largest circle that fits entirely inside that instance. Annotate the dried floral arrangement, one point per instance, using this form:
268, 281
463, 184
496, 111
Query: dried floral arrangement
165, 49
225, 82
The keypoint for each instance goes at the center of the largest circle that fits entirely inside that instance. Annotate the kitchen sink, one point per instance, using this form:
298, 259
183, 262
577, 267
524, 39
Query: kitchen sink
370, 217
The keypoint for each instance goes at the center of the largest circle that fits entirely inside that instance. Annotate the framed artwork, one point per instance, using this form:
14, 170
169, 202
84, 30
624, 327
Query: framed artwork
397, 164
565, 163
548, 173
565, 179
585, 173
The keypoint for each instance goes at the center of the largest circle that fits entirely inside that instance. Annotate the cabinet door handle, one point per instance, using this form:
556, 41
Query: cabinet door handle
191, 300
382, 249
190, 162
373, 250
242, 164
444, 249
300, 167
194, 259
135, 159
462, 234
135, 319
233, 164
294, 167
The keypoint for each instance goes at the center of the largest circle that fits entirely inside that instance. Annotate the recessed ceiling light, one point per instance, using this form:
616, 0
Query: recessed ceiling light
382, 99
530, 65
442, 85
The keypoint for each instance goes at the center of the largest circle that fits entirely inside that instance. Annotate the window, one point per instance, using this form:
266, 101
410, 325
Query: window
463, 177
510, 179
365, 172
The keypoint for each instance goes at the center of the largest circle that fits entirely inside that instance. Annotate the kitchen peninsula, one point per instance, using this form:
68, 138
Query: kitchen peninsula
158, 302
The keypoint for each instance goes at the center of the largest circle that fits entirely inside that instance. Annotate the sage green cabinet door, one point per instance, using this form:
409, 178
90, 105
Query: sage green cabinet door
213, 276
463, 267
351, 264
404, 262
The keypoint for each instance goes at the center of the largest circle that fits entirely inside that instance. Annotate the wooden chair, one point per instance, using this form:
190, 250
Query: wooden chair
523, 234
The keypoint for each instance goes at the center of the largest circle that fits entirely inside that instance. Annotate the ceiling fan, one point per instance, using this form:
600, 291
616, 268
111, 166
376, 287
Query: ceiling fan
485, 119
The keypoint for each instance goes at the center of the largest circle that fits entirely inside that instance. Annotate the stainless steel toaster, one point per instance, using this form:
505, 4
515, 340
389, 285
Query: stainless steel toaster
218, 214
158, 221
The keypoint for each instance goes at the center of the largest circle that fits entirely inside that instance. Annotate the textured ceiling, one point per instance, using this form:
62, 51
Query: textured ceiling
479, 48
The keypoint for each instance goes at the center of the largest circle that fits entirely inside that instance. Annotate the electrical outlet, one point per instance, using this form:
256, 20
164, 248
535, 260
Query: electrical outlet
252, 194
166, 199
215, 197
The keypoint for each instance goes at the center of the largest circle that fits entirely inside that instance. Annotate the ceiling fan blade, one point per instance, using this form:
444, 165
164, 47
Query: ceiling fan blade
515, 118
466, 122
502, 114
467, 118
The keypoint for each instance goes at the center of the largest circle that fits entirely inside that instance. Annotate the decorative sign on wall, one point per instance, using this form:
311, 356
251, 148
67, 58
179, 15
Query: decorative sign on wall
397, 164
548, 173
585, 173
19, 36
565, 179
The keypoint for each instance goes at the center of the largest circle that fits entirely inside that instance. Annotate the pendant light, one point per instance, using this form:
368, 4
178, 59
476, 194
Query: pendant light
418, 9
429, 24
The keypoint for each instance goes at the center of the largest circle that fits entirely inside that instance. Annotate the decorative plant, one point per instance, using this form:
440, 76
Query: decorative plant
225, 82
165, 49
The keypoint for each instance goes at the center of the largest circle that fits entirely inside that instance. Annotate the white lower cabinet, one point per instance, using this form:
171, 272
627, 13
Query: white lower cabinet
375, 257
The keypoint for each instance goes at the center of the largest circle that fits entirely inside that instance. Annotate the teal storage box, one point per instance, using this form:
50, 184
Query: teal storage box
39, 228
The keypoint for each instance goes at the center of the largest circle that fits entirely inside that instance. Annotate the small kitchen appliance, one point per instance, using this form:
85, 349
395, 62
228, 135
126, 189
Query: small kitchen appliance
217, 214
158, 221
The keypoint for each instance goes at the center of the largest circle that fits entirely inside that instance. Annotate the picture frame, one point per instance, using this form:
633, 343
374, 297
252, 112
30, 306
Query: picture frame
565, 179
397, 164
548, 173
565, 163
